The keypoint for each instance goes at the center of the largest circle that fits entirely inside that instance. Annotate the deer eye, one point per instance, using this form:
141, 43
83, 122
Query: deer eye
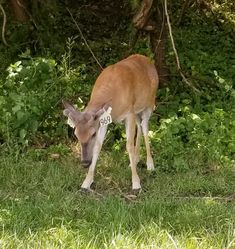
93, 135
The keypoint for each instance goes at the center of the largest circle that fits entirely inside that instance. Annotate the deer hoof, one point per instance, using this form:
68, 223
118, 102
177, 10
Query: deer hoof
85, 190
150, 165
136, 186
136, 191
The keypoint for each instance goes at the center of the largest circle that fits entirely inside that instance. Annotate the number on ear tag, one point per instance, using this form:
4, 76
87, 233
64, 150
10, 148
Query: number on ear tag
106, 118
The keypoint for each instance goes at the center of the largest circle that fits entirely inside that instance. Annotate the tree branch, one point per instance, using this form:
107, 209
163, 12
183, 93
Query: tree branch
141, 18
4, 25
84, 39
19, 11
175, 51
183, 10
27, 12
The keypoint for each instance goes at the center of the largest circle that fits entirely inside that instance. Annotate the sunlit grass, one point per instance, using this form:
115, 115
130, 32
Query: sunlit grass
148, 236
42, 207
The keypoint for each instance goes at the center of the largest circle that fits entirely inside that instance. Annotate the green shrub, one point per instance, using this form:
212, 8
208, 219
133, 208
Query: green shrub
188, 140
31, 97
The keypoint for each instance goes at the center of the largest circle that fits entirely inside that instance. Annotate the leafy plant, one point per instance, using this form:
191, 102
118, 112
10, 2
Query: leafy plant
31, 94
190, 140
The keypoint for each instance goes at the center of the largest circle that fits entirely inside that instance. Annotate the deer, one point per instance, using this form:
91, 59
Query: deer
123, 92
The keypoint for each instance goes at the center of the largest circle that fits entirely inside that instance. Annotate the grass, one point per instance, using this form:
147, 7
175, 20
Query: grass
42, 206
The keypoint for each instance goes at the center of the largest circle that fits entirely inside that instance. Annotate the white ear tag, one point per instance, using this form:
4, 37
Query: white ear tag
70, 123
106, 118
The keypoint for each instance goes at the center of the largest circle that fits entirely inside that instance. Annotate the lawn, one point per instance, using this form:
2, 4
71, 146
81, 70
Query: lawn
42, 205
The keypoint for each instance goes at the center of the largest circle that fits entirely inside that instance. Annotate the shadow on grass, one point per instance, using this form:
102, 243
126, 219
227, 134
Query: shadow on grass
41, 203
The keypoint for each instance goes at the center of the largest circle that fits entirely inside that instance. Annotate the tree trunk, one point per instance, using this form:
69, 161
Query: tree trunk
154, 22
141, 18
19, 8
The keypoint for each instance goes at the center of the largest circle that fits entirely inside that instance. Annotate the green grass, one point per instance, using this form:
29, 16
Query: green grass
42, 206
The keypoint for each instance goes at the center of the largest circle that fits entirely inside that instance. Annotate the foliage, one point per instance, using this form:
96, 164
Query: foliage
224, 12
190, 126
22, 102
197, 130
31, 94
189, 140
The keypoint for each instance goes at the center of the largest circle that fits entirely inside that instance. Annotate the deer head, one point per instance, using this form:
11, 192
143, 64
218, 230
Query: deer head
86, 125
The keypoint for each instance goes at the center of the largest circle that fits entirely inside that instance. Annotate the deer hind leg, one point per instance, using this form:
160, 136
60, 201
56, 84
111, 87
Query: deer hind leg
130, 145
96, 151
145, 119
137, 140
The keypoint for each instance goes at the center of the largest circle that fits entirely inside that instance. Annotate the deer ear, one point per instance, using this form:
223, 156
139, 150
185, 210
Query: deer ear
68, 106
72, 114
101, 111
68, 109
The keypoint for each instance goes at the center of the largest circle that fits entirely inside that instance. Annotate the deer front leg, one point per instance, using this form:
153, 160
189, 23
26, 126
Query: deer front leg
130, 145
96, 151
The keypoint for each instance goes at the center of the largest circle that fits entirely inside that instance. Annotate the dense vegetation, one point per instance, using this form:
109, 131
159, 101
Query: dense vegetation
192, 133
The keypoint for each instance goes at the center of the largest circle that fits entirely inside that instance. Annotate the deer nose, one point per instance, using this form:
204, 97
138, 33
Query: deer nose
86, 163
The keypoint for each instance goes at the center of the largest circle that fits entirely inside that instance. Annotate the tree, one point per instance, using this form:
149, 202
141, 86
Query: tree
151, 18
19, 9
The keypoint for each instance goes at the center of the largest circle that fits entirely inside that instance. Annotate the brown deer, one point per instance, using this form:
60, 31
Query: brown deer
125, 92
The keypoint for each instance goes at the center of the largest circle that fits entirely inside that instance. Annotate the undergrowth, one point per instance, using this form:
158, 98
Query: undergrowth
188, 129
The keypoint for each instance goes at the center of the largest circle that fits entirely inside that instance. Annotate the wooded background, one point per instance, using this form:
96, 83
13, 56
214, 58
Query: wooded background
50, 49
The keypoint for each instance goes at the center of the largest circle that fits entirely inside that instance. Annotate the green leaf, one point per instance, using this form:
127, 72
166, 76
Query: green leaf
23, 133
16, 108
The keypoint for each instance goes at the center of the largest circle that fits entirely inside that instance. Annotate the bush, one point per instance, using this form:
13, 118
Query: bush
187, 140
31, 97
